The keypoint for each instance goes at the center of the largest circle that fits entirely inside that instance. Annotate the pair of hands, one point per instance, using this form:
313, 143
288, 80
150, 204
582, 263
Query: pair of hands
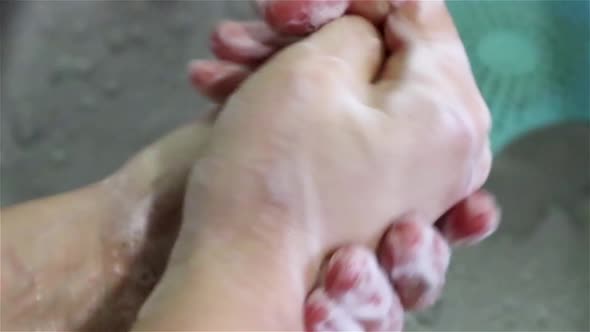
338, 141
327, 145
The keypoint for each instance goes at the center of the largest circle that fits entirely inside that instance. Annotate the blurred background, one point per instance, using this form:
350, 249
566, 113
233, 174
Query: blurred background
85, 84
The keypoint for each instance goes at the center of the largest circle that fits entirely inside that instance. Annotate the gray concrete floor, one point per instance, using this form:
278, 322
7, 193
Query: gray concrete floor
86, 84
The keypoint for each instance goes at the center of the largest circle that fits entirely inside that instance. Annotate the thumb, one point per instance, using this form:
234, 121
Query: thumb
351, 40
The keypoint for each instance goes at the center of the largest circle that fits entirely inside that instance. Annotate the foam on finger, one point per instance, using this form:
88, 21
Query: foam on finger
356, 282
472, 220
300, 17
239, 43
354, 295
416, 258
322, 314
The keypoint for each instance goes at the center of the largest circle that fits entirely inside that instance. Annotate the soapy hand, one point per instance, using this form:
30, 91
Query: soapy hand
326, 101
242, 46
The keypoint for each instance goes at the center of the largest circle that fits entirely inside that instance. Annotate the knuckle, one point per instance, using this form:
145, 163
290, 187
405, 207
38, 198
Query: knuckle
457, 129
461, 141
480, 115
467, 128
483, 168
485, 118
476, 107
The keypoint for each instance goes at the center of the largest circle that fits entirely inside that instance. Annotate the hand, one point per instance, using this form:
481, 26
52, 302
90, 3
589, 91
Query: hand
242, 46
366, 123
99, 250
259, 189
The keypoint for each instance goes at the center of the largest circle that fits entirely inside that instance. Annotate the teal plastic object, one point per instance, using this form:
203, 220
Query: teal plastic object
530, 59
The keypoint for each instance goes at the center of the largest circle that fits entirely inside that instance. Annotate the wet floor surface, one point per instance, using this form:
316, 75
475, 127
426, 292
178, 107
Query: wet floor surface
87, 84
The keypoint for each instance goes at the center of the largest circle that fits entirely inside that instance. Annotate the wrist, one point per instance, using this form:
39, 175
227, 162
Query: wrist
162, 168
256, 275
231, 281
241, 261
61, 261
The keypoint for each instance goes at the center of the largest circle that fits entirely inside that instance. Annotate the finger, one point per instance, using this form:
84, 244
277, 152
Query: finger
354, 281
416, 258
472, 220
243, 42
262, 32
216, 79
354, 294
359, 60
373, 10
415, 26
322, 315
300, 17
415, 22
